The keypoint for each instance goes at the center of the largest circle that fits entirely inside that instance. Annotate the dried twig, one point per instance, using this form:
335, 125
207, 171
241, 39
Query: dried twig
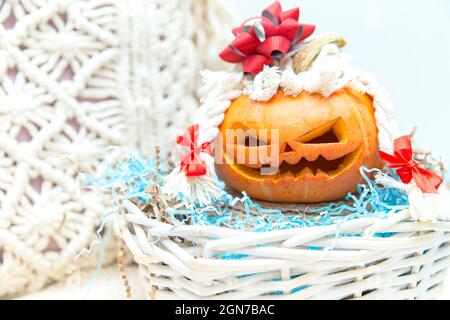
121, 265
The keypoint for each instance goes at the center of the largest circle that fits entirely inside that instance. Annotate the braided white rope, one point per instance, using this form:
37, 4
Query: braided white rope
218, 90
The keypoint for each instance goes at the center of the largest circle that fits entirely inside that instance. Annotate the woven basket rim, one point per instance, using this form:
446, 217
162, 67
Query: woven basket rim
403, 216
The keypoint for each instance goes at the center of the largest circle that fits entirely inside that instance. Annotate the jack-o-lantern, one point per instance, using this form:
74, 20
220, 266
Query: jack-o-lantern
322, 144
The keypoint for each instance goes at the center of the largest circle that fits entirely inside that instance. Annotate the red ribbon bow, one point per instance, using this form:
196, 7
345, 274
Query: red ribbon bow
408, 169
275, 35
191, 163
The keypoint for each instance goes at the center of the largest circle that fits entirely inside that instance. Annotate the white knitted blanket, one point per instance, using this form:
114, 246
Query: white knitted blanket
77, 77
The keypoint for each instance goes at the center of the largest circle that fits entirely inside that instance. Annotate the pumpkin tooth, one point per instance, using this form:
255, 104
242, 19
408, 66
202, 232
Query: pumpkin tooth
341, 151
269, 173
312, 157
290, 157
322, 174
287, 174
306, 172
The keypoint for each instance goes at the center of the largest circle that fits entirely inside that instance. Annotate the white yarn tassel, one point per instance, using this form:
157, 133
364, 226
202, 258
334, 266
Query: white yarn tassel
425, 207
218, 90
429, 206
202, 190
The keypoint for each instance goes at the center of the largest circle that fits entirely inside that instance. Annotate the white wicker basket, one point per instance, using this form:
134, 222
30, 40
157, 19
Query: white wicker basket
181, 262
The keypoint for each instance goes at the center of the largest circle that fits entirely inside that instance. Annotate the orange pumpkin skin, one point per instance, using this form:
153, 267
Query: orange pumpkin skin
323, 143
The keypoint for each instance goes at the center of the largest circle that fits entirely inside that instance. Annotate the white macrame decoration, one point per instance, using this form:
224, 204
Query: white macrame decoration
77, 77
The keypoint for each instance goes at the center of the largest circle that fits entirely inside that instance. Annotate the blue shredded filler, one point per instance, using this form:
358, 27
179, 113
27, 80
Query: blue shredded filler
370, 200
135, 174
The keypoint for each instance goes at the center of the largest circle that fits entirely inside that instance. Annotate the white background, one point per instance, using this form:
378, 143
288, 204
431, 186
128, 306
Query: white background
404, 43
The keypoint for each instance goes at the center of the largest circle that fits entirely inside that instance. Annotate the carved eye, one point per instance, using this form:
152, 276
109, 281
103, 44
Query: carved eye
254, 142
332, 132
245, 136
323, 151
327, 137
249, 147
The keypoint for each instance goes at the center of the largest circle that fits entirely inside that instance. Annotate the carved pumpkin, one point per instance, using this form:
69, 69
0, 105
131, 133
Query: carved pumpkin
323, 142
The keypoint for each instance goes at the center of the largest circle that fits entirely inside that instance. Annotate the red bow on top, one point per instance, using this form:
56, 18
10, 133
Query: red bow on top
274, 34
191, 163
408, 169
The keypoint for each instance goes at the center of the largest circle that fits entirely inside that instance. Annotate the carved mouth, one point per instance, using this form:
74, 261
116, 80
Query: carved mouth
318, 167
324, 151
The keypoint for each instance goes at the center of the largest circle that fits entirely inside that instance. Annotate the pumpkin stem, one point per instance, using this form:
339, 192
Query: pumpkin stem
304, 58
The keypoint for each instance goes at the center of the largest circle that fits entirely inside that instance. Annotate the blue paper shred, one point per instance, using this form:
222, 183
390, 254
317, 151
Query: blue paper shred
135, 174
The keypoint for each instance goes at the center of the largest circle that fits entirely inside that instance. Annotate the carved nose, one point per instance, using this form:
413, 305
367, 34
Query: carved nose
327, 141
330, 132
